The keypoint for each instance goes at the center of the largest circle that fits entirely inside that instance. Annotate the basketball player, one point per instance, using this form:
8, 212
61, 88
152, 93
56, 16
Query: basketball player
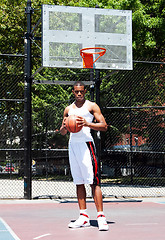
82, 155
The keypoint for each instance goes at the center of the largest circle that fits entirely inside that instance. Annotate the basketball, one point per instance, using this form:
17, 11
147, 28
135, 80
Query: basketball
72, 125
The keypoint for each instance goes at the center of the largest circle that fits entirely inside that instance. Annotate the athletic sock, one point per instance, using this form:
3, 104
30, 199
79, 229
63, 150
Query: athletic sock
83, 211
101, 213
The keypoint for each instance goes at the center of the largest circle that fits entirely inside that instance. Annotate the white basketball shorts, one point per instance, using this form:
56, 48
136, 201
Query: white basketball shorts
84, 163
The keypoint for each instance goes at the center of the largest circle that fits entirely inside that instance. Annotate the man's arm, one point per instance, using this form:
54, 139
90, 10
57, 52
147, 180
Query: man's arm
100, 124
63, 129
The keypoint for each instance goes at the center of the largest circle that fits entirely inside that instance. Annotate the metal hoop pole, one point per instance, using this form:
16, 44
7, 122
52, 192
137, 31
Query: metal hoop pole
27, 108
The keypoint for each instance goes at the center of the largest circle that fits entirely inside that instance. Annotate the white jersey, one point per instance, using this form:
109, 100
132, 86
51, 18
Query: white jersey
84, 135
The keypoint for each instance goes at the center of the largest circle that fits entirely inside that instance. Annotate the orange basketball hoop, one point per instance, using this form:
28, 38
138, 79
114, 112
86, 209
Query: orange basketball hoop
88, 56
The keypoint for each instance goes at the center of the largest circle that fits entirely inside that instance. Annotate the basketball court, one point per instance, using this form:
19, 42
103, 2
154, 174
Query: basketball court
74, 37
48, 219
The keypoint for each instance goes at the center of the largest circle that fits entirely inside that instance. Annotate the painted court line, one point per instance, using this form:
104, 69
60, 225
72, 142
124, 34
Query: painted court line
6, 232
140, 224
45, 235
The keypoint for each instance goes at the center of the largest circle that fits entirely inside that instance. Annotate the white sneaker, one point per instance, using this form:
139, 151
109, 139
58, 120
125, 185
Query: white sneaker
82, 221
102, 223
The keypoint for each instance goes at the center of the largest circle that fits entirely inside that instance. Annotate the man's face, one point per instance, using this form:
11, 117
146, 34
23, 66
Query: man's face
79, 93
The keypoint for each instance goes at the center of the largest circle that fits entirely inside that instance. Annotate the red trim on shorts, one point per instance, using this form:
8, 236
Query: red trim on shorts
95, 161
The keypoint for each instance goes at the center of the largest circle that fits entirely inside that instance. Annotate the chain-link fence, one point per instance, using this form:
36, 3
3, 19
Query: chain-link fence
132, 151
11, 124
133, 163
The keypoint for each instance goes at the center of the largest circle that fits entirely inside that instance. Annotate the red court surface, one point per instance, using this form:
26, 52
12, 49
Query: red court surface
138, 219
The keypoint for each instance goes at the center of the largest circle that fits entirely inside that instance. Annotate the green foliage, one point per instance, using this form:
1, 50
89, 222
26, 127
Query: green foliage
148, 20
12, 26
148, 23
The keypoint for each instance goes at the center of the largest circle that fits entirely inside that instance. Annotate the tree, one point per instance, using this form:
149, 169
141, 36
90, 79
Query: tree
148, 23
148, 18
142, 89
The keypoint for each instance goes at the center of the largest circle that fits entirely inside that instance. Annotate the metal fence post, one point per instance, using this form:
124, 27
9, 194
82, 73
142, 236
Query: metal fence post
130, 125
27, 108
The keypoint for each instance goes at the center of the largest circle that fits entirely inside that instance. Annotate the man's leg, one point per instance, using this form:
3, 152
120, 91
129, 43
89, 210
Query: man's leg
97, 195
81, 196
83, 220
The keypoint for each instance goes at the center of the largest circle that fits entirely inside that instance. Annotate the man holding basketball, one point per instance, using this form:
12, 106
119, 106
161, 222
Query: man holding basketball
82, 154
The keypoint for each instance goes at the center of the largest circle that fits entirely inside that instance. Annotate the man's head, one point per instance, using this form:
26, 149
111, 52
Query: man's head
78, 83
79, 91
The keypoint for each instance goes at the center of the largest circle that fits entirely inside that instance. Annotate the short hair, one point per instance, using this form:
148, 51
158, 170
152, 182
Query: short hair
78, 83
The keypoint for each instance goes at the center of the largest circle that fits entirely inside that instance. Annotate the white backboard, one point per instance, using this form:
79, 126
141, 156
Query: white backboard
66, 30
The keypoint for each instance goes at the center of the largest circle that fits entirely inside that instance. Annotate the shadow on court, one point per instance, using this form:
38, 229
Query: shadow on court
48, 220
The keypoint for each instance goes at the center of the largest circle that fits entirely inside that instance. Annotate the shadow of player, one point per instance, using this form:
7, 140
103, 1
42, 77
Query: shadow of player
94, 223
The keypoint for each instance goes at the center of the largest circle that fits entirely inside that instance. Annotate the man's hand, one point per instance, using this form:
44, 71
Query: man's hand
81, 121
98, 125
63, 129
